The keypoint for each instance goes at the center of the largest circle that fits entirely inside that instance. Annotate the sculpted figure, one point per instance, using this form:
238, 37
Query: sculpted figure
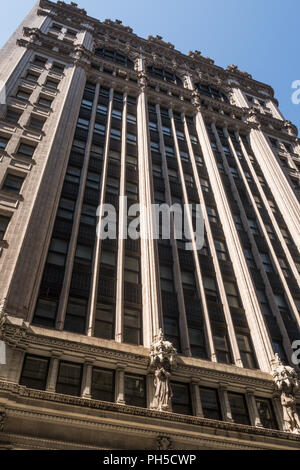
287, 384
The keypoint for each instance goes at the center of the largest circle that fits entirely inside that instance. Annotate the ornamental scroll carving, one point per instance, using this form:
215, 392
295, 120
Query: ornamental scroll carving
286, 382
163, 358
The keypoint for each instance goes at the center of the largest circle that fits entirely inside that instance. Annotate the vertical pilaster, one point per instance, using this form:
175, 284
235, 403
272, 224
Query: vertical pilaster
87, 379
120, 384
224, 403
196, 399
252, 408
53, 371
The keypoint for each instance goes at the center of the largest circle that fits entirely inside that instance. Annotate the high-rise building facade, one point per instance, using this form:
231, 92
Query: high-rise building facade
94, 113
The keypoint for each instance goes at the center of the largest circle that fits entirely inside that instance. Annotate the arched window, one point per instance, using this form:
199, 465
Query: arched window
114, 56
211, 92
164, 75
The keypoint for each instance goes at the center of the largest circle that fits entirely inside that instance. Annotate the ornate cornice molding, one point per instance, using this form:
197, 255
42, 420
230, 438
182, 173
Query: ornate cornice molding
171, 419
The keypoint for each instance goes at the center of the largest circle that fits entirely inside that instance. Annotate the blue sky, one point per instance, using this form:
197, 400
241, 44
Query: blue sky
260, 36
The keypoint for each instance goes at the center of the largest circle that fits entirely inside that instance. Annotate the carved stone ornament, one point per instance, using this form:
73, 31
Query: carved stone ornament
234, 68
142, 80
164, 443
286, 382
163, 358
253, 116
196, 100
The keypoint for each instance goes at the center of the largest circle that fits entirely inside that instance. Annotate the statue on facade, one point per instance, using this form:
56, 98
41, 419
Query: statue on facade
287, 384
163, 359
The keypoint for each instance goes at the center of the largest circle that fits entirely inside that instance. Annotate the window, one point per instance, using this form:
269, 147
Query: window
93, 180
69, 378
284, 267
238, 407
3, 142
35, 371
112, 186
249, 258
132, 191
253, 227
12, 116
135, 390
270, 232
132, 326
88, 215
104, 321
266, 413
171, 330
115, 134
44, 102
221, 250
164, 75
153, 126
56, 27
167, 131
222, 347
58, 68
210, 403
99, 129
23, 95
66, 209
117, 114
212, 214
114, 56
194, 139
131, 139
173, 174
234, 172
57, 252
266, 262
13, 183
83, 254
40, 61
197, 343
245, 348
184, 156
180, 135
131, 118
238, 222
45, 313
199, 160
166, 278
286, 236
188, 280
131, 162
132, 270
103, 384
76, 315
169, 151
26, 150
51, 84
181, 401
211, 290
273, 206
157, 170
36, 123
232, 294
154, 146
204, 185
32, 77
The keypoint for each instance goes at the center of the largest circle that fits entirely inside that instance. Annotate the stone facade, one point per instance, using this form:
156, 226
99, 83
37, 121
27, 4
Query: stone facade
141, 344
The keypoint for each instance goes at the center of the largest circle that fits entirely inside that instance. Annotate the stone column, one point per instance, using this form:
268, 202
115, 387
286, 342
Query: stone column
252, 408
152, 315
224, 403
120, 384
150, 391
196, 399
87, 379
278, 411
53, 371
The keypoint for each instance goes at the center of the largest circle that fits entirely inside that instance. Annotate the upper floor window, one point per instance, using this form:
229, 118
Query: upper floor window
181, 401
35, 371
165, 75
4, 221
135, 390
114, 56
210, 403
238, 407
211, 92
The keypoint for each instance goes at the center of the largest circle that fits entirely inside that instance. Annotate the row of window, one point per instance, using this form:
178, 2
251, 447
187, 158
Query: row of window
69, 382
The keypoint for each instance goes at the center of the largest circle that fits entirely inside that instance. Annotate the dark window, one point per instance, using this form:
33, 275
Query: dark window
103, 384
45, 102
238, 408
245, 347
36, 123
26, 150
165, 75
12, 115
104, 321
59, 68
13, 183
132, 326
32, 77
222, 347
3, 142
57, 252
181, 402
266, 413
45, 313
210, 403
135, 390
51, 84
40, 61
69, 378
4, 221
35, 371
76, 315
114, 56
23, 95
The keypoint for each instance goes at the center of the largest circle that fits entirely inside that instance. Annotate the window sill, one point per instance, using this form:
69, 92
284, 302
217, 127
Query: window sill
11, 195
23, 159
